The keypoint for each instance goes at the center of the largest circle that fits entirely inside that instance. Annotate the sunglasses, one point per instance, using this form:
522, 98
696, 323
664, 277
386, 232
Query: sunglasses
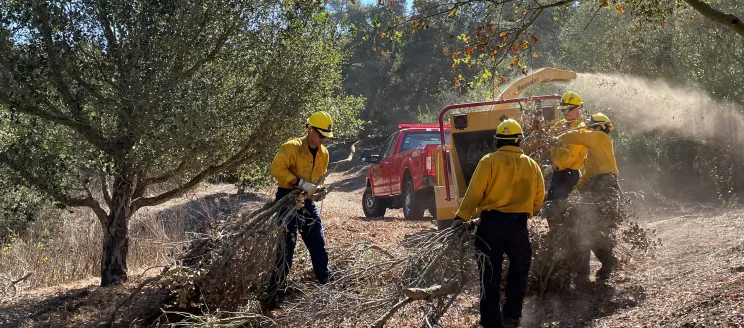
317, 130
568, 109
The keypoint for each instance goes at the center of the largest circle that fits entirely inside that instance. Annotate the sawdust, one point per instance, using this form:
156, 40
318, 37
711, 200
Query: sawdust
646, 105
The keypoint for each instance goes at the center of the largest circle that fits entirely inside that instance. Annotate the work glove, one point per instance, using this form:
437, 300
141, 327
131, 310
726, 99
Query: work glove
471, 225
458, 221
305, 186
320, 194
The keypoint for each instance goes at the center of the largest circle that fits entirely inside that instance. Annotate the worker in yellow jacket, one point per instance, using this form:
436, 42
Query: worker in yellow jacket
300, 164
507, 189
569, 160
599, 178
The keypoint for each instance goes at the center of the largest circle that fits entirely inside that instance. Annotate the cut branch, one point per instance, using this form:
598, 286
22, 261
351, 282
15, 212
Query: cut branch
135, 292
728, 20
417, 294
429, 293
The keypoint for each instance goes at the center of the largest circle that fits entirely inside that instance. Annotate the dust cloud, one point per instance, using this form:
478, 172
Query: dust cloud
643, 105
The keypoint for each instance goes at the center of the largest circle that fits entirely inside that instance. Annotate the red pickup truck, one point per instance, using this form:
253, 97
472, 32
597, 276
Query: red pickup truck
403, 175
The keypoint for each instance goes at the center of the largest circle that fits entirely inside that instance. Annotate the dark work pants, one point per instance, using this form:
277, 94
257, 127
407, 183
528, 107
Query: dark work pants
603, 186
562, 184
308, 223
601, 246
498, 234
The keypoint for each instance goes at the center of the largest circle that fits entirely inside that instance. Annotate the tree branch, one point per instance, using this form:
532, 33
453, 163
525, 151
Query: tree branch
728, 20
86, 202
86, 131
105, 189
108, 33
90, 202
235, 160
209, 57
167, 176
556, 4
32, 180
57, 67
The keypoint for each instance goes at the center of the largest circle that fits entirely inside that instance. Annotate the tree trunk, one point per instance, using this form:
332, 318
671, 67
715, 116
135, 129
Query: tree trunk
116, 235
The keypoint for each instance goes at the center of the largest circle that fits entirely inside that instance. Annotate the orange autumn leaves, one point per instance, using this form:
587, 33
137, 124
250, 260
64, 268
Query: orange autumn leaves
620, 7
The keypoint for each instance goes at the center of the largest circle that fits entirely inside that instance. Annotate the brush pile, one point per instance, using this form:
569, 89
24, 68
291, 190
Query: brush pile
414, 282
569, 226
417, 280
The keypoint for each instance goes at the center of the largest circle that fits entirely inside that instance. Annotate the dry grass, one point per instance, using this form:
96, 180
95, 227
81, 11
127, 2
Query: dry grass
68, 249
74, 251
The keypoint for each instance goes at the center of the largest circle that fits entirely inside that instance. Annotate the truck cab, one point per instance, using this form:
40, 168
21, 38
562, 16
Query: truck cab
404, 172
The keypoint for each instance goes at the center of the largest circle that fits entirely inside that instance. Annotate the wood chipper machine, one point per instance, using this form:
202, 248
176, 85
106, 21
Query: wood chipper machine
472, 135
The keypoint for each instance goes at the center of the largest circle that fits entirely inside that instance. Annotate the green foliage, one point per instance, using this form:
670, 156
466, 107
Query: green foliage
160, 91
102, 100
405, 76
672, 165
20, 207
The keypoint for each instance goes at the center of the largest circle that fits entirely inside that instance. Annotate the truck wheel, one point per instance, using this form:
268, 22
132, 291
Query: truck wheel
371, 205
433, 210
413, 207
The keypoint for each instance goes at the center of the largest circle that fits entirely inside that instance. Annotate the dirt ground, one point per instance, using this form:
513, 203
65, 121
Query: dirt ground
694, 279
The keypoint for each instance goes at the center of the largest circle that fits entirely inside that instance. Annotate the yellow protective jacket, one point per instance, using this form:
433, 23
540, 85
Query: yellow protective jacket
294, 160
570, 156
506, 180
600, 157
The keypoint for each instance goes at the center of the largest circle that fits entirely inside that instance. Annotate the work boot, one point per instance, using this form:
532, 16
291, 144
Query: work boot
603, 274
269, 304
582, 281
510, 323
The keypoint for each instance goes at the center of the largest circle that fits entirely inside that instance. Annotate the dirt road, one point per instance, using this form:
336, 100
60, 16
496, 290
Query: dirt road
695, 278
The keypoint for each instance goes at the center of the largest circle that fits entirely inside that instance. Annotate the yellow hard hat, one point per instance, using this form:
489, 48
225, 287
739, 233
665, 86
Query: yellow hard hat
602, 120
322, 122
509, 130
571, 99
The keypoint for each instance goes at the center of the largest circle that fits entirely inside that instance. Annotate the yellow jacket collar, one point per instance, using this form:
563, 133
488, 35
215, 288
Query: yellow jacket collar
511, 149
306, 145
575, 122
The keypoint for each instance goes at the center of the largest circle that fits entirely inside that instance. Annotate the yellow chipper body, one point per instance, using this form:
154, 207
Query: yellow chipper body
472, 134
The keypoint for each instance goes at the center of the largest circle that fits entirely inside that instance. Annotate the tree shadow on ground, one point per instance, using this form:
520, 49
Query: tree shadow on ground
578, 308
393, 218
88, 306
354, 182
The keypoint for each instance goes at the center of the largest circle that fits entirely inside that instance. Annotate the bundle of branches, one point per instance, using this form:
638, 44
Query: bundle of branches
538, 140
229, 268
374, 283
568, 226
